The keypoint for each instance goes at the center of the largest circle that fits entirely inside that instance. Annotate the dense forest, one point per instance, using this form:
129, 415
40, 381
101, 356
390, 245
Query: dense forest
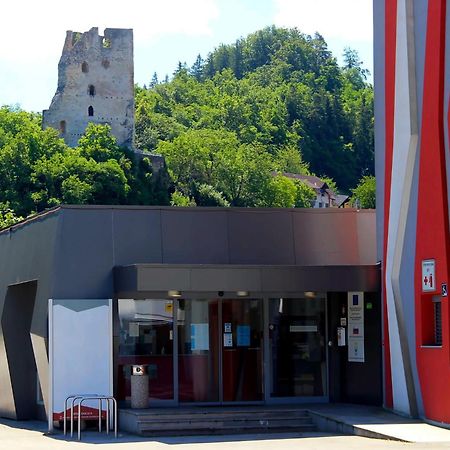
229, 126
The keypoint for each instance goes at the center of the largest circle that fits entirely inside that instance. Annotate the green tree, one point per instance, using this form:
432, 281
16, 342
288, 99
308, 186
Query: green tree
364, 195
304, 195
7, 216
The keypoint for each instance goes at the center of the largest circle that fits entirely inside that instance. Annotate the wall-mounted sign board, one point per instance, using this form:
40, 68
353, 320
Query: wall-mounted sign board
355, 308
80, 353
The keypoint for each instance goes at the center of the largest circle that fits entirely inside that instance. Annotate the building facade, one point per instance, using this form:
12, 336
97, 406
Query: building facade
223, 305
95, 84
412, 93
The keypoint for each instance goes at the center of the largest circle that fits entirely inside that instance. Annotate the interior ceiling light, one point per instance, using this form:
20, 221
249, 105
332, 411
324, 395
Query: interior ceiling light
242, 293
310, 294
174, 293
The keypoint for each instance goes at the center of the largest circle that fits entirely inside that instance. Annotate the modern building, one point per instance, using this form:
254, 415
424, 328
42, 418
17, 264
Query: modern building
412, 92
223, 305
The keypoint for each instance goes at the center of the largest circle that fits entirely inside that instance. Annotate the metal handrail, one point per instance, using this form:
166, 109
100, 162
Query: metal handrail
110, 401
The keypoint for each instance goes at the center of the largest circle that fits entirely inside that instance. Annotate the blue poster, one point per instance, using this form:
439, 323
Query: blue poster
243, 335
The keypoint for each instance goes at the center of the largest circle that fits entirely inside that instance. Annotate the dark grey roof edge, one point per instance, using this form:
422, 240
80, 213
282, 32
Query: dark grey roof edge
248, 266
50, 211
221, 209
35, 217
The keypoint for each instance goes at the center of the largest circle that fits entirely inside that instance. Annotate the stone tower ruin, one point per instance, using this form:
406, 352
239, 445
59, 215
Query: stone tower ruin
95, 84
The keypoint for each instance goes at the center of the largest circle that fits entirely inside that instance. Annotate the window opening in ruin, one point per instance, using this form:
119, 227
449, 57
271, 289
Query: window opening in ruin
106, 43
62, 127
105, 63
85, 67
90, 111
91, 90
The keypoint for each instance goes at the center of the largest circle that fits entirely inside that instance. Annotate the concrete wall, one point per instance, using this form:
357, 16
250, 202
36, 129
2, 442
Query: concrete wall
106, 64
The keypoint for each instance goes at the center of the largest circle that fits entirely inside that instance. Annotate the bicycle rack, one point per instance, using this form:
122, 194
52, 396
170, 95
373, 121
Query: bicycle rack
111, 403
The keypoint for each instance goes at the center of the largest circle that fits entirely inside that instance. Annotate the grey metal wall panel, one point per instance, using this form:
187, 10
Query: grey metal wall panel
16, 326
327, 238
147, 278
225, 279
197, 236
27, 253
85, 255
137, 236
260, 237
163, 279
367, 246
321, 279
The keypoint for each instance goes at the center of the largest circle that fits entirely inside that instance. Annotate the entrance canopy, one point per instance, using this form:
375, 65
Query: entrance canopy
190, 279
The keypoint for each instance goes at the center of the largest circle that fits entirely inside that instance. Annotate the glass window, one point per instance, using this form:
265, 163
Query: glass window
198, 350
297, 346
146, 337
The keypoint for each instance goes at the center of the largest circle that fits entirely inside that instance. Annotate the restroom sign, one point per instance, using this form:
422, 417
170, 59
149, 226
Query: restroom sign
428, 275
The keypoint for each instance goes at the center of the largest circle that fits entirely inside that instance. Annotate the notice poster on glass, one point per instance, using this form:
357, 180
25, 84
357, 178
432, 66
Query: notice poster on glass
355, 308
243, 335
199, 336
355, 349
228, 339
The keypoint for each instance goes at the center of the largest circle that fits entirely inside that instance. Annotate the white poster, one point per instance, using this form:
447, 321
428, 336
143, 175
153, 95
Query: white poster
355, 308
199, 336
355, 349
80, 353
341, 336
428, 275
228, 339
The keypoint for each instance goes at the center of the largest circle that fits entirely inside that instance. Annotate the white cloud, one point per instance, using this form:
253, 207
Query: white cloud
33, 30
349, 20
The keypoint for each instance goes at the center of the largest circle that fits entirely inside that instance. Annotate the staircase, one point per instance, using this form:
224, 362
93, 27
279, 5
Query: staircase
219, 421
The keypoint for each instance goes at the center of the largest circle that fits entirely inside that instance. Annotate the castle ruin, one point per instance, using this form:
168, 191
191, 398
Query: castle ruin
95, 84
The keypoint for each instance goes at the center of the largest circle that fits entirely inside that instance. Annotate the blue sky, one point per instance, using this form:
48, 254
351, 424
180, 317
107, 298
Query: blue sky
165, 32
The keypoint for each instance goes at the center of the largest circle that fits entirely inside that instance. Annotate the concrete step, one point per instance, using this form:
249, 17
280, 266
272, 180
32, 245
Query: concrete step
235, 424
224, 432
222, 416
226, 421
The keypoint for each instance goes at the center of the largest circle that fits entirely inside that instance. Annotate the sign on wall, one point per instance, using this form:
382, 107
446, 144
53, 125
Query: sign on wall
80, 353
355, 307
428, 275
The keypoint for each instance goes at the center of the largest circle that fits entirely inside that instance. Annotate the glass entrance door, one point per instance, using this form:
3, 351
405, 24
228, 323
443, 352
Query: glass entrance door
220, 350
297, 347
242, 350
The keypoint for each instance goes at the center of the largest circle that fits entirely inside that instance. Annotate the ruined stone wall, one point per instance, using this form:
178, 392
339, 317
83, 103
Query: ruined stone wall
95, 84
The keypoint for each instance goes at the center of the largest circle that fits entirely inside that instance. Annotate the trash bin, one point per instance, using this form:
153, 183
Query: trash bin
139, 387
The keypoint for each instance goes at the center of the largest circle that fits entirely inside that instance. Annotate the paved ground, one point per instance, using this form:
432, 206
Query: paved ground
30, 435
371, 421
